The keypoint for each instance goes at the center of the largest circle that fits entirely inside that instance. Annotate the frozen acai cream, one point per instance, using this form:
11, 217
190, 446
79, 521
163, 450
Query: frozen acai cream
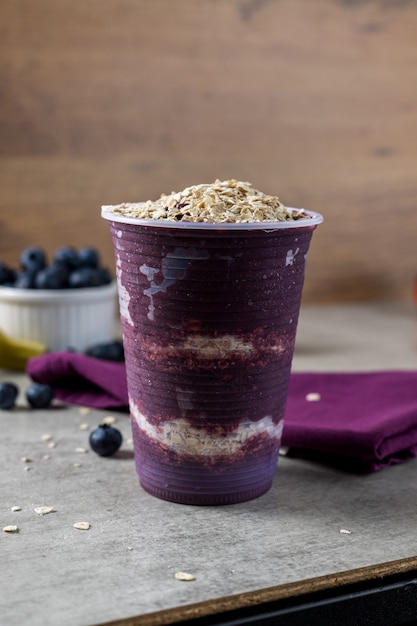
230, 201
209, 302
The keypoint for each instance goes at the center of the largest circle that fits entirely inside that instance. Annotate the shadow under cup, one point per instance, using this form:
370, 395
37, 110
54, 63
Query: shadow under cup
209, 315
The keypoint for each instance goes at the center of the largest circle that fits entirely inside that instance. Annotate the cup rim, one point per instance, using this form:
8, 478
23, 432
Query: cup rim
314, 219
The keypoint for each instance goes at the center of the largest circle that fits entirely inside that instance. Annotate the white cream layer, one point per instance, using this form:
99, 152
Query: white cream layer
205, 348
182, 438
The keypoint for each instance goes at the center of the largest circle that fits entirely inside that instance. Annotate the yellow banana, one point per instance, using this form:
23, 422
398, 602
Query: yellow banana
14, 353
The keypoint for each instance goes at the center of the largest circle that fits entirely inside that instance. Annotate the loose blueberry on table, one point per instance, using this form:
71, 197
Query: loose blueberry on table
8, 395
105, 440
39, 396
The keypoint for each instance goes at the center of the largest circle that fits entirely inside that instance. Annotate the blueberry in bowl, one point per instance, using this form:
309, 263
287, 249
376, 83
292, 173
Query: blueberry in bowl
33, 259
68, 301
68, 257
54, 276
69, 268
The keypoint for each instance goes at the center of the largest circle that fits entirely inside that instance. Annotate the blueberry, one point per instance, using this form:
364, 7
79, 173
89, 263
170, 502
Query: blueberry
54, 276
69, 268
111, 351
8, 395
105, 276
7, 275
33, 259
105, 440
25, 280
39, 396
68, 257
84, 277
89, 257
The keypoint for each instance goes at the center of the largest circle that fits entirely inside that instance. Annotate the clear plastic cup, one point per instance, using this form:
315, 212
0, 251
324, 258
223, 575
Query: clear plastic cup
209, 315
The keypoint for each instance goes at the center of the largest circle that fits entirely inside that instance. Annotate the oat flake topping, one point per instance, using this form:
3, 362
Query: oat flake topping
222, 201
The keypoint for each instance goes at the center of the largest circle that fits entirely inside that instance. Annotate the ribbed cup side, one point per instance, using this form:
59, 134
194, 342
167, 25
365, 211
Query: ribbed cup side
209, 321
188, 481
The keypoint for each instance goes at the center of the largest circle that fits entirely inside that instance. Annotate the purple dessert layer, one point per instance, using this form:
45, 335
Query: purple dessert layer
223, 399
209, 322
205, 481
213, 283
201, 497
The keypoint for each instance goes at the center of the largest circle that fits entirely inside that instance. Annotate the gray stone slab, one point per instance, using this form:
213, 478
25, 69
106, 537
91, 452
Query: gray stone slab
124, 565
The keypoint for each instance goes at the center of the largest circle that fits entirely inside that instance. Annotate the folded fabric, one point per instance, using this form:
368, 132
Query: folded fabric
80, 379
361, 421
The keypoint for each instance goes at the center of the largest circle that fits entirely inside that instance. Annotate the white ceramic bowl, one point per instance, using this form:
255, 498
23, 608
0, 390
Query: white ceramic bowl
60, 319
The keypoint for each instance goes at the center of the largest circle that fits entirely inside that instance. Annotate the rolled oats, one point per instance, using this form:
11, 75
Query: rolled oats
230, 201
44, 510
109, 420
184, 576
10, 529
81, 525
313, 397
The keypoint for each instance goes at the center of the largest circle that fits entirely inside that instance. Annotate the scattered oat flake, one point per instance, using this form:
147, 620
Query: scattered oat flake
81, 525
345, 531
84, 426
10, 529
25, 459
27, 468
109, 420
52, 444
44, 510
313, 397
184, 576
16, 508
81, 450
84, 410
46, 437
46, 457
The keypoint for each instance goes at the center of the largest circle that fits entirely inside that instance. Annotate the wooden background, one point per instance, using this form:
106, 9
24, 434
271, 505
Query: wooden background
103, 101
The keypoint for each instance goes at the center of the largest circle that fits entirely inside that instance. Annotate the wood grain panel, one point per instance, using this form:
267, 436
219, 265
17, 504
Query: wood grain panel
111, 100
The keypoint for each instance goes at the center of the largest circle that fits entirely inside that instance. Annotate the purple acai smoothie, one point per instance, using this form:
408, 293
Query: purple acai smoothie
209, 316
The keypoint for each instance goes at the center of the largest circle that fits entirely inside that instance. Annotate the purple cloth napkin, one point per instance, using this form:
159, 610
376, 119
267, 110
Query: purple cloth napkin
80, 379
358, 421
362, 421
